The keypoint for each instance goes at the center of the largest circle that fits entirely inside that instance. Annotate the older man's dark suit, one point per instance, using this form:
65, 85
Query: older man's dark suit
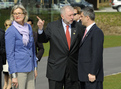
90, 58
60, 57
2, 52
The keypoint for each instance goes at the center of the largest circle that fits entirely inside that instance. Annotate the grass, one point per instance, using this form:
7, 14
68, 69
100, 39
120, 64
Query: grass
112, 82
112, 41
109, 18
46, 49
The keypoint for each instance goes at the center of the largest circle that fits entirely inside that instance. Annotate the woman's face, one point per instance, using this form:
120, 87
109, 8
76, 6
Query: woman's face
18, 16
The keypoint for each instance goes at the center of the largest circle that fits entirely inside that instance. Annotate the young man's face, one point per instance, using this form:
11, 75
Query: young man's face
84, 19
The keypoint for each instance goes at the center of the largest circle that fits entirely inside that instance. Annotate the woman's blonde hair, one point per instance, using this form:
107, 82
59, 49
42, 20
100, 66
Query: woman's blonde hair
24, 12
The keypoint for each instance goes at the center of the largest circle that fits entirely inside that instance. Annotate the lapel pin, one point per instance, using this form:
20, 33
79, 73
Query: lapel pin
74, 32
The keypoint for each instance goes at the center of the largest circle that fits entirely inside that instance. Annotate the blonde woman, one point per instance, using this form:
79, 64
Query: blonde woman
7, 78
20, 50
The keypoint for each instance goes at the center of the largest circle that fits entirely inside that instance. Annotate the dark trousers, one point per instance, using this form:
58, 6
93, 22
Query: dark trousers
66, 83
91, 85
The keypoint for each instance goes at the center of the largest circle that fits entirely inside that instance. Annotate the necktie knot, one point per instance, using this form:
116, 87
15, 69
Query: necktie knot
67, 25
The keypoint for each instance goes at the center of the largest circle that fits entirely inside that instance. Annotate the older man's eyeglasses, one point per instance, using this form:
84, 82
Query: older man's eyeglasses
17, 14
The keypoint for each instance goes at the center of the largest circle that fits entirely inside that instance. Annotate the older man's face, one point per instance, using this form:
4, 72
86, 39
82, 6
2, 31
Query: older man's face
68, 16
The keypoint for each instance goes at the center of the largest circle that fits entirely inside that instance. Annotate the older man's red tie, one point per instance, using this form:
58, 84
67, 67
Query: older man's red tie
68, 36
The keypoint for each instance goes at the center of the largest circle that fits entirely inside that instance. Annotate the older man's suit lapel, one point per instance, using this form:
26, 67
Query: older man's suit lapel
73, 34
62, 34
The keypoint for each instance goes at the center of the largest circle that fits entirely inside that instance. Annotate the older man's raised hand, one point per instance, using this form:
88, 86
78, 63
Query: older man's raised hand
40, 23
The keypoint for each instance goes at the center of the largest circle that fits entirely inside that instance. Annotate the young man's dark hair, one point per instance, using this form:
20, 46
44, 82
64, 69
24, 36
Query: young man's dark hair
32, 22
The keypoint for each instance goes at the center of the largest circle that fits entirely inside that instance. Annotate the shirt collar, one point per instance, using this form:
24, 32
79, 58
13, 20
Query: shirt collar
88, 28
65, 24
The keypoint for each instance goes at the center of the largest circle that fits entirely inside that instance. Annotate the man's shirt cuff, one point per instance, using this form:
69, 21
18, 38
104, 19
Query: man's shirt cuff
40, 31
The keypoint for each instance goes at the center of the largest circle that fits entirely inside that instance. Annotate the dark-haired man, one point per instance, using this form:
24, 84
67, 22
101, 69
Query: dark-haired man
90, 57
38, 46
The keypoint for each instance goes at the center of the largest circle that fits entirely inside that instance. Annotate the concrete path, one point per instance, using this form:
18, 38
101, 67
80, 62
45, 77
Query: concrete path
111, 60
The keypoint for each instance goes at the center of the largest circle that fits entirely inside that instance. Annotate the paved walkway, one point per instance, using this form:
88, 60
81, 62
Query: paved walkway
112, 65
112, 60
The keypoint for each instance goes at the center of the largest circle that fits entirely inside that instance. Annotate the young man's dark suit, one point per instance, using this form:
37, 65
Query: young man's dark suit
2, 52
90, 58
38, 46
61, 59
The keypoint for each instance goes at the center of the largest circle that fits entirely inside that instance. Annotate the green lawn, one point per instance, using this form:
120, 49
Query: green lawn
112, 41
109, 41
46, 49
112, 82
